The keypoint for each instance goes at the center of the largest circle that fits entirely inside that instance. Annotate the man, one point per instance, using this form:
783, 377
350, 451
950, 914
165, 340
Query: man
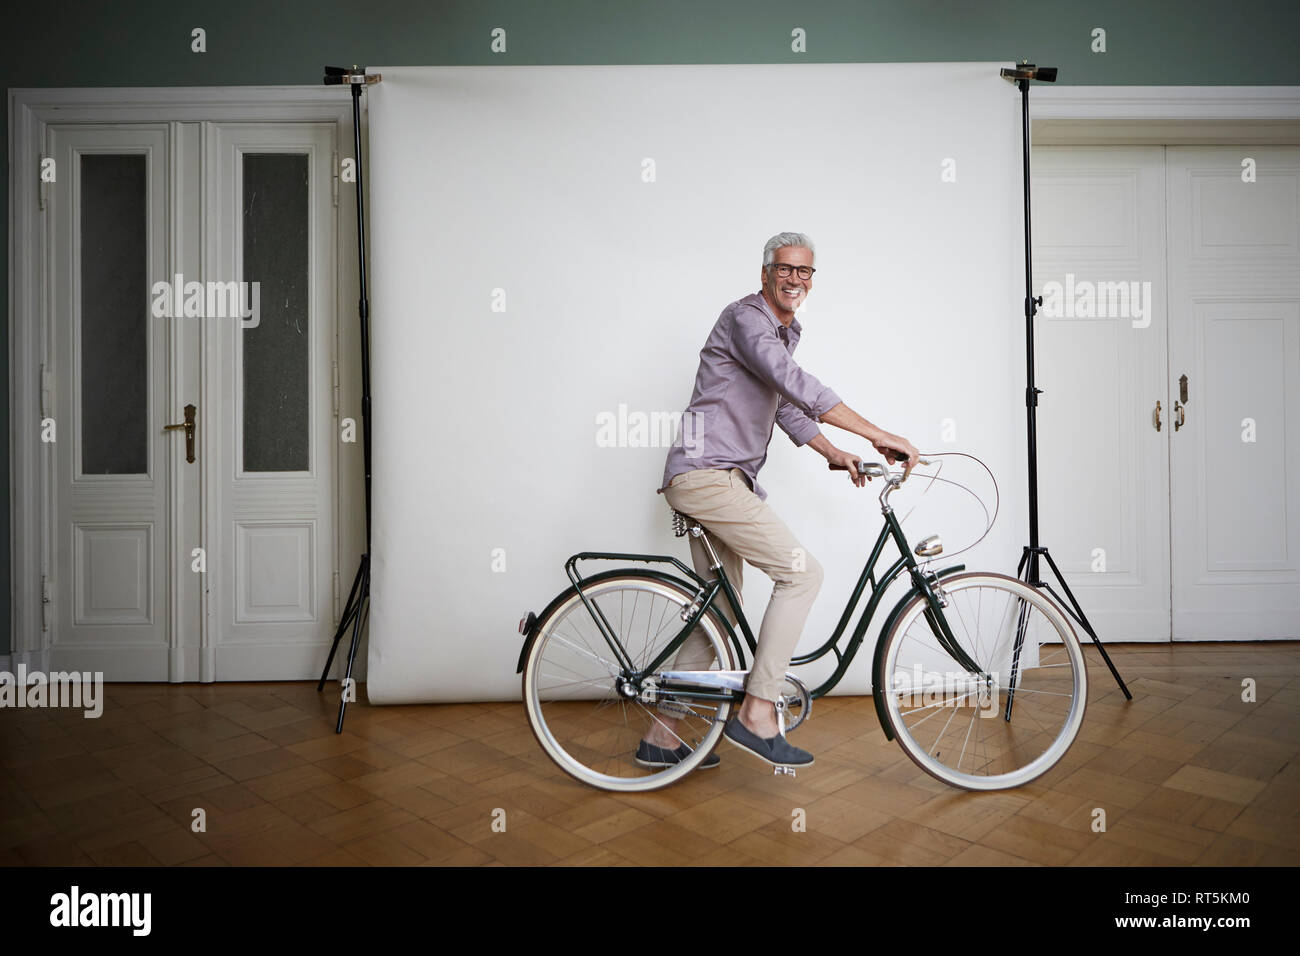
747, 381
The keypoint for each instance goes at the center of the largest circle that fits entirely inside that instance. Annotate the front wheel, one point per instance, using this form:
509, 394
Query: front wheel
576, 691
1011, 717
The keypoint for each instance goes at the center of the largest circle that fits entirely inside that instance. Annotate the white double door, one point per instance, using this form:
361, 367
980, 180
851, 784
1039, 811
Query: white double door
1169, 429
173, 557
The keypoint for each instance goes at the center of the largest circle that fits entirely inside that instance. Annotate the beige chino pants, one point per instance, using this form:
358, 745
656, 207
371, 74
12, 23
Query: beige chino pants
743, 528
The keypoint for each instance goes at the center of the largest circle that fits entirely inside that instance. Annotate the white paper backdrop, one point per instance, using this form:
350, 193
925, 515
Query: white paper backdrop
526, 278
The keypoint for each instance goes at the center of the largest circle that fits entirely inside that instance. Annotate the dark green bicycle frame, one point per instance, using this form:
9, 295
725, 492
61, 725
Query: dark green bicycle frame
708, 591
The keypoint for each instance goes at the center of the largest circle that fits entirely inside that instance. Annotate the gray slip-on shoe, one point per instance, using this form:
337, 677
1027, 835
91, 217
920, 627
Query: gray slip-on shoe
648, 755
774, 750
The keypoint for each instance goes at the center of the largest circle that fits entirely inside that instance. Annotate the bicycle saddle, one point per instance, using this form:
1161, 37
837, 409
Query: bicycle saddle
681, 524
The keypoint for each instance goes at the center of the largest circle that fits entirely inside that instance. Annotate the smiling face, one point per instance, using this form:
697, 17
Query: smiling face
786, 294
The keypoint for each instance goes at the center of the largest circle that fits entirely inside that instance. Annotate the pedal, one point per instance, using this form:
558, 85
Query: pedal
777, 771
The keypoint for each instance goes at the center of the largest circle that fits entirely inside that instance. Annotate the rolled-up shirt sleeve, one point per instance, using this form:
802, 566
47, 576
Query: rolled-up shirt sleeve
799, 427
757, 346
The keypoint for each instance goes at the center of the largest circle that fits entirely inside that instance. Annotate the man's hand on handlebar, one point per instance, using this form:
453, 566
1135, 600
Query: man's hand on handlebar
896, 449
849, 462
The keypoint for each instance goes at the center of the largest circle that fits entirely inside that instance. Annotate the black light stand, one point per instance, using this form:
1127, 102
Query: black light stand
1028, 569
357, 610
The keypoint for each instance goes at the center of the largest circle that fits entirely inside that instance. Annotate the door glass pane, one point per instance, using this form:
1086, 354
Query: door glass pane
275, 362
114, 315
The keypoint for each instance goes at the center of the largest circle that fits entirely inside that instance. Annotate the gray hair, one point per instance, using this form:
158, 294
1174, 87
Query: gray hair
782, 239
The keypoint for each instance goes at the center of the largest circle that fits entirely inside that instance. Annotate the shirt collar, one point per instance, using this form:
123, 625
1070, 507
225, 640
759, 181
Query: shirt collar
762, 303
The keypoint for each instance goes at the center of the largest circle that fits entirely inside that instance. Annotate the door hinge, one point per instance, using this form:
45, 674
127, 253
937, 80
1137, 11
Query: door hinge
336, 596
45, 603
336, 390
335, 180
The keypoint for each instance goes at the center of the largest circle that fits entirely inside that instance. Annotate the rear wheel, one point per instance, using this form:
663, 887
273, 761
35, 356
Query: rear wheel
1008, 719
580, 701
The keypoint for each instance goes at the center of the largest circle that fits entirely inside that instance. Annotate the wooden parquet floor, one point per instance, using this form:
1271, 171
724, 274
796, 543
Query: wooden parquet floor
1187, 774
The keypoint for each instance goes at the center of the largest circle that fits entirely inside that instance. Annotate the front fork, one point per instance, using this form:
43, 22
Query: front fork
935, 598
926, 583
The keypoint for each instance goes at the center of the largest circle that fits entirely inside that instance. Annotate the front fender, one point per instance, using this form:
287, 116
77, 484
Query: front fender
878, 659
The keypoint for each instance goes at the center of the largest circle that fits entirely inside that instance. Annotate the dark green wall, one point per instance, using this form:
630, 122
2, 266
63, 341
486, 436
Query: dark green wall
133, 43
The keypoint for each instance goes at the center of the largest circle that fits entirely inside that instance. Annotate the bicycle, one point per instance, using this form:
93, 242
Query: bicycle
958, 656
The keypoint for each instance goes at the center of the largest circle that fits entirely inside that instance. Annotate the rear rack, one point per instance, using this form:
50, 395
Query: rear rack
571, 569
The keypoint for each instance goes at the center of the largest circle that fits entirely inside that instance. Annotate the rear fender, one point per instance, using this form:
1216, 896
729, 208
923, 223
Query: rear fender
532, 622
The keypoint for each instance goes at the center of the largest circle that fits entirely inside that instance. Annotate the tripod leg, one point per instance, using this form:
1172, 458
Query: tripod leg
1063, 603
1083, 621
1024, 571
349, 610
363, 612
1021, 619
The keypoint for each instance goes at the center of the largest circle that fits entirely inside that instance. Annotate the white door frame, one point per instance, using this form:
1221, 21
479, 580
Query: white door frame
1163, 116
30, 112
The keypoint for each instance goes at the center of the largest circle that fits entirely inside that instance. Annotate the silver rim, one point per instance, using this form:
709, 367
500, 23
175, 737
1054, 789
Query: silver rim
951, 721
571, 685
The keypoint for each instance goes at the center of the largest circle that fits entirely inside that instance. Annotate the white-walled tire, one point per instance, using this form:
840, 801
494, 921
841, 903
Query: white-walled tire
953, 721
571, 683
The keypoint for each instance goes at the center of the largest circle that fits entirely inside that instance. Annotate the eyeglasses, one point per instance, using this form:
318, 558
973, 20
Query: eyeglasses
783, 270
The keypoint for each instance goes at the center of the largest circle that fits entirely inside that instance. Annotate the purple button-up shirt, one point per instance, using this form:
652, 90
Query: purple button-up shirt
747, 381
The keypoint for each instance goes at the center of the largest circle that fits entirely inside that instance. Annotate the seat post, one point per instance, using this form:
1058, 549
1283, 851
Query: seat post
685, 524
697, 530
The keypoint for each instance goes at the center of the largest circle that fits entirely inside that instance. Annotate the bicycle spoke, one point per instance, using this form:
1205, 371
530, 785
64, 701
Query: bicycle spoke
658, 720
966, 741
590, 649
611, 668
942, 732
573, 683
1042, 693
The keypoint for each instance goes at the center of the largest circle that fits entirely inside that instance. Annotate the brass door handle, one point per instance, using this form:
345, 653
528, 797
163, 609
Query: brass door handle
1181, 420
188, 425
1155, 416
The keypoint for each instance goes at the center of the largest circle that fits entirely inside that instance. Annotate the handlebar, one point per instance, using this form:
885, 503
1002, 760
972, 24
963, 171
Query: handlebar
876, 470
893, 481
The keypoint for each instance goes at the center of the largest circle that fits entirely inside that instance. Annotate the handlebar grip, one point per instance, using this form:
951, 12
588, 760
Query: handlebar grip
862, 465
